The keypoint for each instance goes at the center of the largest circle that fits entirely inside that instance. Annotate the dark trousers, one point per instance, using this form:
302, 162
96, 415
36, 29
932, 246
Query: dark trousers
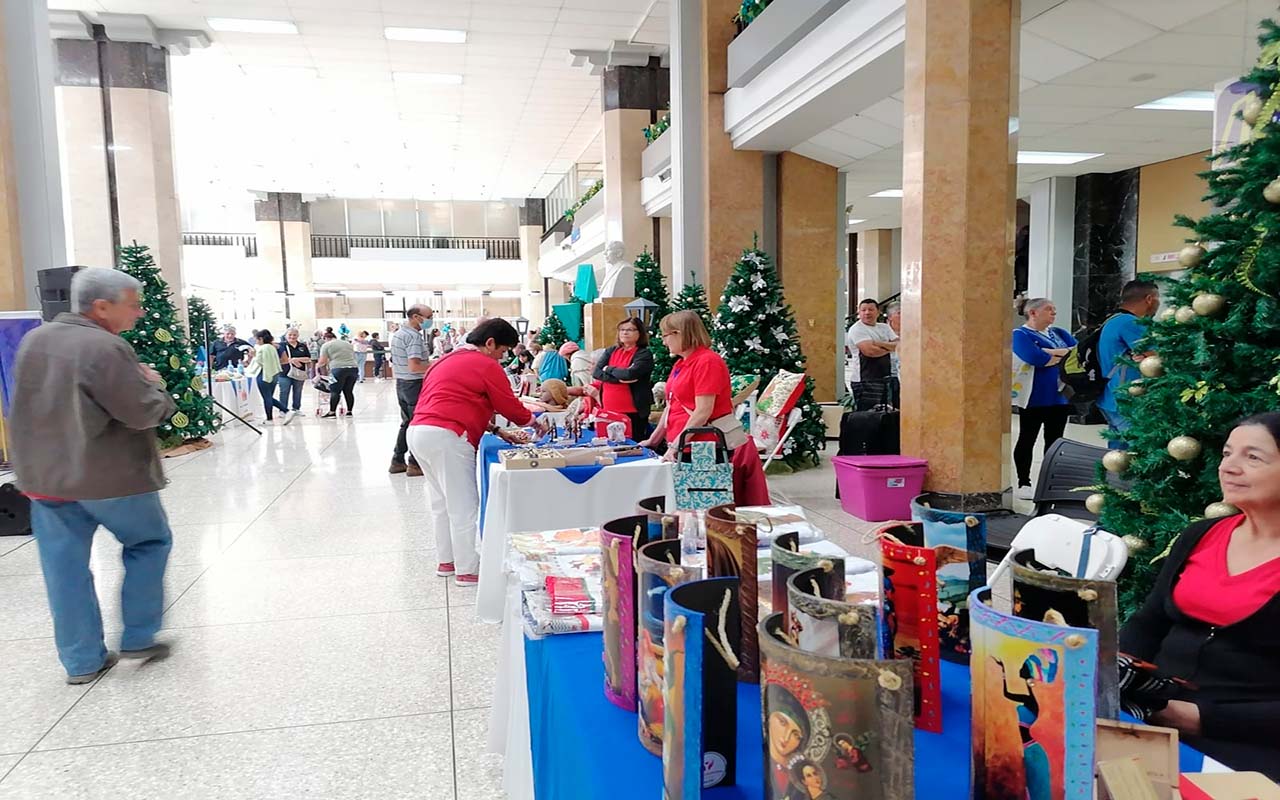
639, 427
407, 396
378, 362
344, 384
289, 385
268, 391
1054, 421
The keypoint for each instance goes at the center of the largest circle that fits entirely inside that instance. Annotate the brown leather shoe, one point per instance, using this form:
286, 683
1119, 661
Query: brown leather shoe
398, 467
413, 471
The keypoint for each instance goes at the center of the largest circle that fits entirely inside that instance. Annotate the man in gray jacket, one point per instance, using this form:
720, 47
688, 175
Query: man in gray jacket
85, 452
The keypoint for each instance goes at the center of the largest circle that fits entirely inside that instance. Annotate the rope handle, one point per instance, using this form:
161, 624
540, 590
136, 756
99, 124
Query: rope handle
721, 641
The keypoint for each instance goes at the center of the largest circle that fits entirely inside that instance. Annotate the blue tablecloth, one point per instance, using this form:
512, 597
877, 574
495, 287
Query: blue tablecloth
490, 445
585, 747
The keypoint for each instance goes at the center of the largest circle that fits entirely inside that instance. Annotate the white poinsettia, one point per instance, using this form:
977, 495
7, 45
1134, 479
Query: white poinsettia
739, 303
780, 334
754, 344
758, 282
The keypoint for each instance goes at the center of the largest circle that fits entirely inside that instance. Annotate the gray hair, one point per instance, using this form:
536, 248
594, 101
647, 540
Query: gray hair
1034, 304
892, 308
100, 283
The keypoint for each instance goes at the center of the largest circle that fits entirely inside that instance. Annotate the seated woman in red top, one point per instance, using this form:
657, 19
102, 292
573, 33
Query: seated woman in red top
1213, 618
623, 376
460, 394
699, 395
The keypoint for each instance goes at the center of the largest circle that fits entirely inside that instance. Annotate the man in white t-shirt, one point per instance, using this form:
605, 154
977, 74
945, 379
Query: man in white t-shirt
871, 345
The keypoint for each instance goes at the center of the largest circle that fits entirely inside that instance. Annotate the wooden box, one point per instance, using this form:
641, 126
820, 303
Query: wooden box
600, 321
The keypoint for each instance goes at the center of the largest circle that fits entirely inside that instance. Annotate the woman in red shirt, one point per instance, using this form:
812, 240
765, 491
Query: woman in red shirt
460, 394
623, 376
1213, 618
699, 395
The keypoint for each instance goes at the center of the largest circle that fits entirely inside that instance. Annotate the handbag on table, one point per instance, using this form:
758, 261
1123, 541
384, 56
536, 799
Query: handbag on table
703, 474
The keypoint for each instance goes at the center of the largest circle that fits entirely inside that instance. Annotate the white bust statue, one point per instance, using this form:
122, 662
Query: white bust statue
619, 274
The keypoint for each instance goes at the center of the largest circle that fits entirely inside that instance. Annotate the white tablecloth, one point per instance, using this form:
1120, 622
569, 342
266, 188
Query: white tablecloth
234, 394
543, 500
509, 715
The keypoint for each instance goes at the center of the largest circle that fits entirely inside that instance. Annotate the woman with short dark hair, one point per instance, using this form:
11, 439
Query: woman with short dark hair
1213, 618
264, 368
624, 376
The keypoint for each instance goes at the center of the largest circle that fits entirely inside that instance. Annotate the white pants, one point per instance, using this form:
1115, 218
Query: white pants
448, 463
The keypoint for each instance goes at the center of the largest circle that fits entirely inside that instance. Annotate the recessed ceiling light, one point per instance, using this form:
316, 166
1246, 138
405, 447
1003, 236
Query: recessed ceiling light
441, 35
1182, 101
887, 193
434, 78
232, 25
856, 221
1046, 157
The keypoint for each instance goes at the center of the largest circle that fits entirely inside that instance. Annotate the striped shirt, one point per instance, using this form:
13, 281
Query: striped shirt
406, 343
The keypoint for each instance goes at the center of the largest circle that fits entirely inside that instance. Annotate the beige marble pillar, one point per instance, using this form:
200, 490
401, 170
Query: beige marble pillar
532, 218
806, 260
283, 225
959, 168
625, 218
12, 285
875, 265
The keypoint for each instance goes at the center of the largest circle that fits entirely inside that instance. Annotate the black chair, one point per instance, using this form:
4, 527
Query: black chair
1068, 466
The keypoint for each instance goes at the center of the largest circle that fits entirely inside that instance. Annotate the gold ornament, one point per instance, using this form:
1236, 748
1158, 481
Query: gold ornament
1191, 256
1166, 315
1136, 389
1117, 461
180, 420
197, 383
1220, 509
1151, 367
175, 362
163, 335
1095, 502
1208, 305
1184, 448
1134, 543
1272, 192
1184, 315
1251, 109
187, 396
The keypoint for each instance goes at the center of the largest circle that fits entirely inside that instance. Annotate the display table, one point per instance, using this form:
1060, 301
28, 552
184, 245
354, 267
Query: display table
235, 395
547, 499
562, 738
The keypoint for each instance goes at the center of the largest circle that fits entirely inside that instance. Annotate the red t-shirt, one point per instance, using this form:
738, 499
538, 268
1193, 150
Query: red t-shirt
461, 393
701, 372
617, 396
1208, 592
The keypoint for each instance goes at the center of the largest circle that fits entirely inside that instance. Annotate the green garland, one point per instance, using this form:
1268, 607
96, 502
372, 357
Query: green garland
748, 12
652, 132
582, 201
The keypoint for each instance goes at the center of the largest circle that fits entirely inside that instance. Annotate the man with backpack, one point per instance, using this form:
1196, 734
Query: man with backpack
1118, 350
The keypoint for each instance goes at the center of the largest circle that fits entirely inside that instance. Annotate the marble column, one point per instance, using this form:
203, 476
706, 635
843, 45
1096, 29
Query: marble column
118, 166
1051, 251
959, 171
718, 204
632, 99
32, 235
532, 219
283, 225
875, 266
807, 261
1106, 242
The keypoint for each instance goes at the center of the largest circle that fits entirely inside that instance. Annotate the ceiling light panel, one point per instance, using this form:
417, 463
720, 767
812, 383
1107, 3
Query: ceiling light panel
436, 35
237, 25
887, 193
1182, 101
1050, 157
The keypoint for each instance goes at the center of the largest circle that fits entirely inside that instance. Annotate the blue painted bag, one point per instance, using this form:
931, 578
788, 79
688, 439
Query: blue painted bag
703, 473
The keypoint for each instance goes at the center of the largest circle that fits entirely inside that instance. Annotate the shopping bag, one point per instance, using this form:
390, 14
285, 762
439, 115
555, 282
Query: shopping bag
702, 474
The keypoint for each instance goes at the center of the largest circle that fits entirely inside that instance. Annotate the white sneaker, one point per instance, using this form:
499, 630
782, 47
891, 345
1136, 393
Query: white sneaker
288, 417
1025, 493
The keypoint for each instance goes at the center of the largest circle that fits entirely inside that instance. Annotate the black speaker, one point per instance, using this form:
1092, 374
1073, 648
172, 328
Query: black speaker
15, 512
55, 290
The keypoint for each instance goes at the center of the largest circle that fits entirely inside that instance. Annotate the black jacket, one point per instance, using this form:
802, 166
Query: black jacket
1236, 668
224, 355
640, 371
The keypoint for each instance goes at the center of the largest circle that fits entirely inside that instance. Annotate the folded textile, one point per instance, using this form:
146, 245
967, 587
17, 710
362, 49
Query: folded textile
539, 621
567, 542
534, 573
571, 595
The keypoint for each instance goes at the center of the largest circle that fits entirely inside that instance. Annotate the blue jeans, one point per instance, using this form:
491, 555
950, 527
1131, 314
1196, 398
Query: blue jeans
287, 384
64, 537
269, 401
1118, 424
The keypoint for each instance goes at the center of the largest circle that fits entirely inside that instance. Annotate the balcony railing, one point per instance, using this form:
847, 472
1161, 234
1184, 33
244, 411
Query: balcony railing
246, 240
328, 246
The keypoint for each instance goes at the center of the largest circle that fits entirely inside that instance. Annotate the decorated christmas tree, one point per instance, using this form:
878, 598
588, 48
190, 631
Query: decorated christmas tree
693, 297
755, 331
1217, 349
201, 323
553, 332
160, 341
651, 286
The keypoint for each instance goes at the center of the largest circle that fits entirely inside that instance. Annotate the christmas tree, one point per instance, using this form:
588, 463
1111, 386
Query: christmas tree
755, 331
651, 286
200, 323
1217, 350
160, 341
553, 332
693, 298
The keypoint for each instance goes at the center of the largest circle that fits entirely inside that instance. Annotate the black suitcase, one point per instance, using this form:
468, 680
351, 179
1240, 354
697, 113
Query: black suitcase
15, 512
869, 433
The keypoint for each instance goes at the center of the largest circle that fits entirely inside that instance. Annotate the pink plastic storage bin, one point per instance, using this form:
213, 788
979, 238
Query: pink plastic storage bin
879, 488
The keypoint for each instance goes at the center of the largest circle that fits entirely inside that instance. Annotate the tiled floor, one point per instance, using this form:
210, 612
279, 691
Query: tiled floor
315, 652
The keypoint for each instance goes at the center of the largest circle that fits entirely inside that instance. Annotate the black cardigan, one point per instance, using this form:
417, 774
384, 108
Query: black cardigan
640, 371
1236, 667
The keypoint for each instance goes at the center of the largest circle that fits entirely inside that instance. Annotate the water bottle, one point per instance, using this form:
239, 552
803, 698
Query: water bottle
688, 535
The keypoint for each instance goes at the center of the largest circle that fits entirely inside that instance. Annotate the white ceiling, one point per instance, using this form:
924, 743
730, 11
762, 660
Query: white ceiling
524, 115
1085, 65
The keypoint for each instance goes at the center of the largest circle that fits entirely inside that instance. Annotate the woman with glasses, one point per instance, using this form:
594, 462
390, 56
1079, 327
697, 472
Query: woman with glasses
624, 376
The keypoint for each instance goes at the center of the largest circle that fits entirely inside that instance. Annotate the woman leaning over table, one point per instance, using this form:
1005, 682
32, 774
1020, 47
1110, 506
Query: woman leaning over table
699, 395
1213, 618
624, 374
460, 394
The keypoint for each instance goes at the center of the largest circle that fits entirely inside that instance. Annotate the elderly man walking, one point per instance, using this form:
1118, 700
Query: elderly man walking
85, 452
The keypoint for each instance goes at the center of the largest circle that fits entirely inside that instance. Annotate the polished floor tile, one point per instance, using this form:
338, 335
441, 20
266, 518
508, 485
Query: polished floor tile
472, 645
338, 536
10, 543
192, 545
35, 694
477, 772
